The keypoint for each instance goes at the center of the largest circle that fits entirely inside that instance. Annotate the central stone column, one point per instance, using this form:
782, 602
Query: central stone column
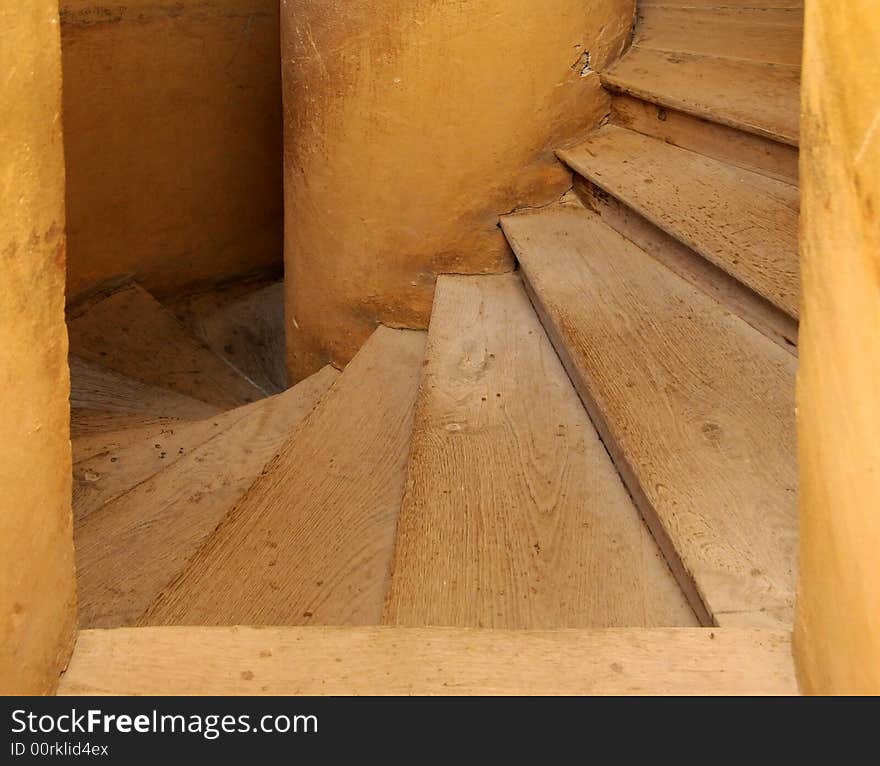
410, 125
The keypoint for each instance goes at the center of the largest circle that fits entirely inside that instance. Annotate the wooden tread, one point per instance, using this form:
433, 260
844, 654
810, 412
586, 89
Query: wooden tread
762, 35
87, 423
245, 327
754, 97
514, 515
131, 547
695, 406
93, 387
131, 333
312, 540
743, 222
117, 462
429, 661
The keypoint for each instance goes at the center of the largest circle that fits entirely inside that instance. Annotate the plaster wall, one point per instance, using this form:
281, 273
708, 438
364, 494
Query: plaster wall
172, 112
37, 588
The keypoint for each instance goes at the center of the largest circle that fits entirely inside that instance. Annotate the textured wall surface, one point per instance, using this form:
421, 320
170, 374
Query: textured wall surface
172, 122
837, 637
37, 589
410, 125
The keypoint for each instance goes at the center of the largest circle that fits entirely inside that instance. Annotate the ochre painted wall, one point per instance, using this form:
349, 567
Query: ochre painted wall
37, 589
172, 117
410, 125
837, 638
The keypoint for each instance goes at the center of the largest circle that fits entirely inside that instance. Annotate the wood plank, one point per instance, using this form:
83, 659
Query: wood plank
85, 424
744, 223
429, 661
771, 36
730, 293
245, 327
131, 333
93, 387
312, 541
129, 549
133, 457
735, 147
695, 406
723, 3
514, 515
757, 98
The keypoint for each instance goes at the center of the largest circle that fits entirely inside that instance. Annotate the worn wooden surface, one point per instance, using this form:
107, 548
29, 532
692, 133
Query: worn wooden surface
119, 463
87, 423
764, 35
743, 222
728, 291
696, 407
93, 387
245, 325
429, 661
130, 548
312, 540
514, 515
758, 98
837, 639
736, 147
130, 332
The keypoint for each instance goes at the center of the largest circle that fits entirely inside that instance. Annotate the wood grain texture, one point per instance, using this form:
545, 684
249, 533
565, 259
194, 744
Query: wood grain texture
757, 98
87, 424
771, 36
743, 222
759, 4
312, 541
730, 293
695, 406
514, 515
245, 327
130, 548
93, 387
429, 661
130, 332
121, 462
735, 147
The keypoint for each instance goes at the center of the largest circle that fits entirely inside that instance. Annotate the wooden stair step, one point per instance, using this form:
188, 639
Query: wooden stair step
754, 97
118, 462
695, 406
131, 333
93, 387
758, 4
86, 424
743, 222
771, 36
312, 540
245, 327
372, 661
514, 515
130, 548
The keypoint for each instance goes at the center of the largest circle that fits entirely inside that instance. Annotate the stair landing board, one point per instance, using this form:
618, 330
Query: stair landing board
514, 516
312, 540
695, 406
429, 661
131, 333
